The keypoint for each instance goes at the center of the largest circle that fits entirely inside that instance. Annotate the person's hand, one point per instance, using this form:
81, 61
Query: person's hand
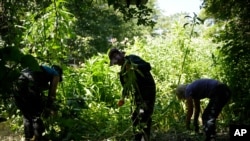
120, 102
50, 109
47, 112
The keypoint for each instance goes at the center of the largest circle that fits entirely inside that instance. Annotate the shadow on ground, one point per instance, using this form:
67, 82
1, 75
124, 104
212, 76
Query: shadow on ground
187, 136
7, 135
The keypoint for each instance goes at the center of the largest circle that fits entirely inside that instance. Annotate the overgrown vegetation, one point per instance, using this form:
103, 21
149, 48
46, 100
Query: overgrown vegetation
77, 35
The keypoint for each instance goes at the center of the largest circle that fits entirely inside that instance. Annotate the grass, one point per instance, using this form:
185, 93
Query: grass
7, 135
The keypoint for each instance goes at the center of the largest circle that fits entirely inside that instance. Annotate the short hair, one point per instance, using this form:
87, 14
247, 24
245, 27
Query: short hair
180, 91
113, 51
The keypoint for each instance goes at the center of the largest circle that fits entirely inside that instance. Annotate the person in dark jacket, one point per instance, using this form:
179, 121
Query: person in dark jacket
29, 97
136, 80
218, 93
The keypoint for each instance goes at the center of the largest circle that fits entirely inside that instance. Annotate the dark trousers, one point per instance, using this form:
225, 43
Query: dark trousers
219, 97
31, 106
142, 124
33, 127
142, 115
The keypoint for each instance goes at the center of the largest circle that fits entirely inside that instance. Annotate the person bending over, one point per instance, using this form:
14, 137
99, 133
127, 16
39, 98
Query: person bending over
135, 72
29, 97
218, 94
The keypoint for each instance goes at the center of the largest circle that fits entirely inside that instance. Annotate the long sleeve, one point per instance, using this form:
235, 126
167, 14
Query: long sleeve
141, 64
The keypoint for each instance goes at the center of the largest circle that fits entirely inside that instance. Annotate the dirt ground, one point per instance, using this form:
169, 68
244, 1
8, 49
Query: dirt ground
186, 137
7, 135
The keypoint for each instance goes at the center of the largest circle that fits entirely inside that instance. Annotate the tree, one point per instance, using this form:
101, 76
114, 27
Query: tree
233, 32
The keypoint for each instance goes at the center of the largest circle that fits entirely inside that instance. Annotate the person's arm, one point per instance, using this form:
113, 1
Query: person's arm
139, 63
52, 89
144, 66
196, 114
189, 105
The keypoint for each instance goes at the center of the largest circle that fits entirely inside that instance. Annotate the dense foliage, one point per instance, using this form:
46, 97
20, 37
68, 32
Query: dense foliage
77, 35
233, 32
